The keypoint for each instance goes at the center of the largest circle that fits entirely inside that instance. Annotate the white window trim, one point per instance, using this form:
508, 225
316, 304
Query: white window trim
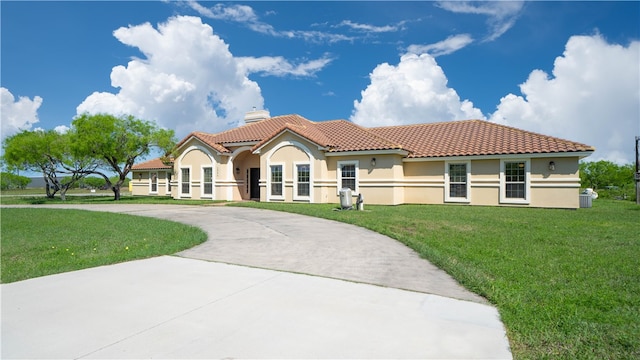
447, 190
182, 194
151, 182
340, 164
527, 183
168, 179
213, 174
275, 197
295, 181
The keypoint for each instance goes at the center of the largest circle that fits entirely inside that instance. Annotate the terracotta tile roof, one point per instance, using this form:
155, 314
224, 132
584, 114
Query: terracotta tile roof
347, 136
455, 138
260, 130
473, 137
309, 131
153, 164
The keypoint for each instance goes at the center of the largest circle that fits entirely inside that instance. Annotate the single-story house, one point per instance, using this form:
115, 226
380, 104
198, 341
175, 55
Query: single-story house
291, 159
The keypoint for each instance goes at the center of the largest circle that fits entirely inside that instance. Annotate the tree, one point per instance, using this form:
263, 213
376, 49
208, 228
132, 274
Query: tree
94, 182
117, 142
48, 152
13, 181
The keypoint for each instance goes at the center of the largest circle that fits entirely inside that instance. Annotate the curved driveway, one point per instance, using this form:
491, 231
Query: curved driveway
294, 244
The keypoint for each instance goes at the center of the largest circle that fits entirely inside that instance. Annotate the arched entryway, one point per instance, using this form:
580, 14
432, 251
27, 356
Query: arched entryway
246, 174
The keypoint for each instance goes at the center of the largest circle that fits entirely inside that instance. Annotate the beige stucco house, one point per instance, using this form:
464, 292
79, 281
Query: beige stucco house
291, 159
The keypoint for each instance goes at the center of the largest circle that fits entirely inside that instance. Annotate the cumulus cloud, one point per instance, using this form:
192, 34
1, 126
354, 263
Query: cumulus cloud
449, 45
592, 96
501, 15
188, 79
414, 91
17, 115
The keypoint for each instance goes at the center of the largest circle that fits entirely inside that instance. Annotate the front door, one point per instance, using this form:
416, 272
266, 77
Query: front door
254, 187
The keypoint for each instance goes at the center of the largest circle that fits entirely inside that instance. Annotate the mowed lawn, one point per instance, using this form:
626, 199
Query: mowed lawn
38, 242
566, 282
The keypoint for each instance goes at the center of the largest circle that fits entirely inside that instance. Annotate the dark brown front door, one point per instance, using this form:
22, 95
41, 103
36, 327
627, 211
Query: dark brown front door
254, 187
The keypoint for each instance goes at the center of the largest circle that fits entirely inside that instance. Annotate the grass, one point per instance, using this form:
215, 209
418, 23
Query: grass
566, 283
38, 242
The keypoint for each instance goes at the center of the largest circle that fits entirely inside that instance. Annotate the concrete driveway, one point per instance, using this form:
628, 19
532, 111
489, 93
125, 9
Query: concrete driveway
269, 307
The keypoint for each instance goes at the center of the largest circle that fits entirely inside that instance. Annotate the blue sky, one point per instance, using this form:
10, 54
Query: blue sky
567, 69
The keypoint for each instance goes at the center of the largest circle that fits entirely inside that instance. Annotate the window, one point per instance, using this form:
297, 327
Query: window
185, 181
303, 178
154, 182
168, 182
348, 175
514, 182
276, 180
457, 181
207, 180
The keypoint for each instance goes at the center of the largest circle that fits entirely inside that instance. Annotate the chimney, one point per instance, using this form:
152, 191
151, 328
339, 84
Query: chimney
256, 115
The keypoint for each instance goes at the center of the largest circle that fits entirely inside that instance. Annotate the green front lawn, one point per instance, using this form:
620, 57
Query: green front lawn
566, 283
38, 242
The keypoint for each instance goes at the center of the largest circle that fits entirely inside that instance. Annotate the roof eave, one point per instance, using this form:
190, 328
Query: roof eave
400, 152
193, 136
579, 154
261, 145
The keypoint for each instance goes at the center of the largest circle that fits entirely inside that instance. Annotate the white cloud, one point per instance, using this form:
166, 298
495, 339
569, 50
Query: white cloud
371, 28
61, 129
188, 81
449, 45
593, 96
502, 15
415, 91
279, 66
17, 115
245, 15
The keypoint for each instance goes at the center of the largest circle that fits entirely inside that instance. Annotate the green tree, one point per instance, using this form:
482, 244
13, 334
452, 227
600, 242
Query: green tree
48, 152
94, 182
117, 142
611, 180
13, 181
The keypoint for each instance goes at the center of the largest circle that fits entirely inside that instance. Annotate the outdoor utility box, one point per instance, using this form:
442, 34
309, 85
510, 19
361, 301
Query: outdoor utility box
345, 198
585, 200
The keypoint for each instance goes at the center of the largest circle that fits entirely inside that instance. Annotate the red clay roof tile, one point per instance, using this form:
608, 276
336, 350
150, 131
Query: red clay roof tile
474, 137
445, 139
153, 164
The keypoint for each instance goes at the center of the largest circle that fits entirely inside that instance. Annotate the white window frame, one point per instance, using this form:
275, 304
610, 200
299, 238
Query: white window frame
447, 182
295, 181
202, 182
183, 194
527, 182
269, 195
168, 181
340, 164
151, 173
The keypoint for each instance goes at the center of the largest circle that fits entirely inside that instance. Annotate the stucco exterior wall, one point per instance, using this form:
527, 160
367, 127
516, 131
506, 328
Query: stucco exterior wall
195, 157
288, 151
425, 182
390, 180
141, 182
